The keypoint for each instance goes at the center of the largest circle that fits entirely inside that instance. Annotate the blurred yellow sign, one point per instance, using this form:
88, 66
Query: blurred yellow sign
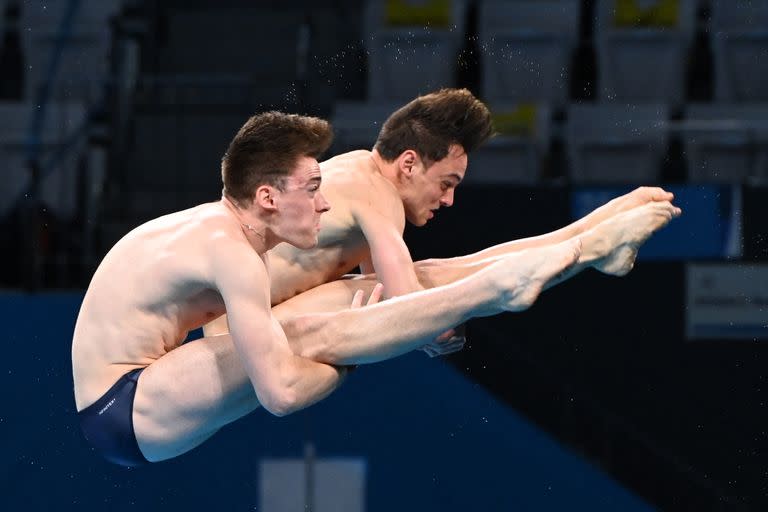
430, 13
639, 13
520, 122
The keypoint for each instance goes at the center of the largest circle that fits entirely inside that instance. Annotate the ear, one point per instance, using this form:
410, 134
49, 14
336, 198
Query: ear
266, 197
406, 162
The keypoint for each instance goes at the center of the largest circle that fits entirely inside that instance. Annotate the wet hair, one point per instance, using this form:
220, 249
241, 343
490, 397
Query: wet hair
431, 123
267, 147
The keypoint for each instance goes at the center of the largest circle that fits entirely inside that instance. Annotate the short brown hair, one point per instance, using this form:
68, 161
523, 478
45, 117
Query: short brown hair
431, 123
267, 147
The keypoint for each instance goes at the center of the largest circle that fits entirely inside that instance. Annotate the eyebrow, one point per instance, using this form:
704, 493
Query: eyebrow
454, 175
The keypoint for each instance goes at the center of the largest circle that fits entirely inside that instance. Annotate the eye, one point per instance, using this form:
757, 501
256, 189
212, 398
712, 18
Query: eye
446, 185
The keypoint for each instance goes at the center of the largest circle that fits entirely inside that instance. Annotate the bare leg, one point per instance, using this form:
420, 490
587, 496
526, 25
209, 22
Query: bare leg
611, 246
431, 275
329, 297
184, 397
638, 197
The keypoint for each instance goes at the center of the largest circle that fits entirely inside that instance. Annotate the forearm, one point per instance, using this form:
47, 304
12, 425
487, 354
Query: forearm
390, 328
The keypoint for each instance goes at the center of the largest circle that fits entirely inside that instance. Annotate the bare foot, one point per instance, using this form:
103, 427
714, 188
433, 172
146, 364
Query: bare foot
627, 231
638, 197
629, 201
524, 274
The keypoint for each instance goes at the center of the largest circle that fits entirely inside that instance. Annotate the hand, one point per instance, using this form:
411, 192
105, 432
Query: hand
449, 342
357, 302
373, 298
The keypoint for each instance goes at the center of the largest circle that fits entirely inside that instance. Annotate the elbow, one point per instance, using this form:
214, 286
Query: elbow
282, 404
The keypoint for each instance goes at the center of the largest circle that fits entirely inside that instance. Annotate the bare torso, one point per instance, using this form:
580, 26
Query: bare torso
155, 285
152, 288
348, 180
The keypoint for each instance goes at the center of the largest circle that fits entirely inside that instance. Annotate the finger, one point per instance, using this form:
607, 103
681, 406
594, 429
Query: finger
375, 297
447, 341
458, 341
357, 299
455, 344
446, 336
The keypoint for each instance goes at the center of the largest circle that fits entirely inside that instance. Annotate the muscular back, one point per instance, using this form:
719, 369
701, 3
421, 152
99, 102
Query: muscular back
153, 287
353, 187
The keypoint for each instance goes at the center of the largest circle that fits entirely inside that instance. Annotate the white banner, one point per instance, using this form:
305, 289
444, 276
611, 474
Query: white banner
727, 300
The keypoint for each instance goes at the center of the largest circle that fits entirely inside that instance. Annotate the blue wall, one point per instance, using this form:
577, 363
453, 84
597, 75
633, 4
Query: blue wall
432, 439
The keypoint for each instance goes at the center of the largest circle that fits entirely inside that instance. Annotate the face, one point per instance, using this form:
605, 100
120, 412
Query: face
300, 205
430, 188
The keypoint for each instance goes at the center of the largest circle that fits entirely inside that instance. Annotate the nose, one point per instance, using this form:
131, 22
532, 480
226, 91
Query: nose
447, 199
321, 205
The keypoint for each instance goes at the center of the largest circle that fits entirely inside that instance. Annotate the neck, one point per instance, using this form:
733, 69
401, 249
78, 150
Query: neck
254, 231
386, 169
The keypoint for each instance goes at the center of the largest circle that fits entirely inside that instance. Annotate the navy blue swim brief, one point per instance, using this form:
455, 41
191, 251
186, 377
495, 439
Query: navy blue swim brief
108, 423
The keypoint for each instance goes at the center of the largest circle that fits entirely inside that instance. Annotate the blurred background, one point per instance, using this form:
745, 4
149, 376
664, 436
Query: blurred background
640, 393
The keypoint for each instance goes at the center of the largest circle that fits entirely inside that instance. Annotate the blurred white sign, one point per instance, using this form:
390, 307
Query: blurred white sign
312, 485
726, 301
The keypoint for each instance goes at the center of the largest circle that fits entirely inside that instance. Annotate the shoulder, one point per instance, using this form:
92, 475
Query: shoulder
230, 256
379, 197
351, 179
348, 171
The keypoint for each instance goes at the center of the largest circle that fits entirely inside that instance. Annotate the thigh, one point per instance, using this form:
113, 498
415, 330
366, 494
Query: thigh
326, 298
184, 397
188, 394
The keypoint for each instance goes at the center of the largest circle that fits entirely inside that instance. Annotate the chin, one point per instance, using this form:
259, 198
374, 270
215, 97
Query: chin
311, 243
417, 221
305, 243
